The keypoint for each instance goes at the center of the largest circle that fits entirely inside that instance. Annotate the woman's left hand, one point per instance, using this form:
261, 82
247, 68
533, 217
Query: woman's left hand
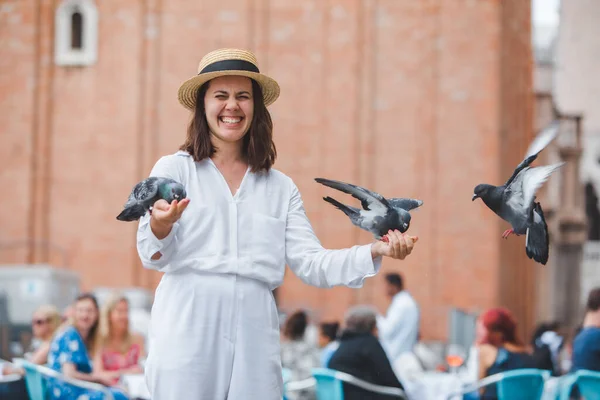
399, 245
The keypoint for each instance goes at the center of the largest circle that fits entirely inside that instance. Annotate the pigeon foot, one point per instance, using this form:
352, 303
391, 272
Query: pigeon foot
507, 233
385, 239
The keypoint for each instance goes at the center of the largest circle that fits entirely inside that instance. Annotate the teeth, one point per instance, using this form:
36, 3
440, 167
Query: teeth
229, 120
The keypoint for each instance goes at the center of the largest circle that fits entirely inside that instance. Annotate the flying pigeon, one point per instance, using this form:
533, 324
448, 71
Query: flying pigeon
379, 215
146, 193
515, 202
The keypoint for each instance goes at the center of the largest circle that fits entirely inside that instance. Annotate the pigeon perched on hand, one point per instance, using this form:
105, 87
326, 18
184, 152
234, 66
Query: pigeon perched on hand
515, 202
379, 215
147, 192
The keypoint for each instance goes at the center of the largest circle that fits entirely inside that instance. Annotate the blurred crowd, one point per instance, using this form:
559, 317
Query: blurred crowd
87, 343
386, 349
94, 344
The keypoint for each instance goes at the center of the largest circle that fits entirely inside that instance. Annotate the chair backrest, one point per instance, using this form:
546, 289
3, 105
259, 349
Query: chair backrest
588, 383
34, 380
522, 384
328, 386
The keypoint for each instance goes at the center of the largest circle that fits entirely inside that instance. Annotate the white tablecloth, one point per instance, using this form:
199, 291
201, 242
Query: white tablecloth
136, 386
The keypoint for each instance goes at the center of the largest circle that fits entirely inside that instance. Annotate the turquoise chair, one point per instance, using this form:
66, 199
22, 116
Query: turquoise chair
588, 383
526, 384
518, 384
330, 385
35, 380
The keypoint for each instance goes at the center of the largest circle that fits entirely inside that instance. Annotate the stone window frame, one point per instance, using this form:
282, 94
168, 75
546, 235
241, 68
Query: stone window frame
64, 53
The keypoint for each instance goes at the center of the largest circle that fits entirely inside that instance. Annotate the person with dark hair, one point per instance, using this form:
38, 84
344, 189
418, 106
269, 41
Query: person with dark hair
547, 344
586, 346
499, 347
223, 249
72, 351
361, 355
399, 329
298, 355
328, 341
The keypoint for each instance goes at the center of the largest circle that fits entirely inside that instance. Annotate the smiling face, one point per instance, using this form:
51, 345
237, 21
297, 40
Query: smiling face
229, 108
85, 315
119, 317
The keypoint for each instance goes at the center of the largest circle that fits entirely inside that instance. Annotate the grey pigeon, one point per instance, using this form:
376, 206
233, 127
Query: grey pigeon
378, 214
515, 202
147, 192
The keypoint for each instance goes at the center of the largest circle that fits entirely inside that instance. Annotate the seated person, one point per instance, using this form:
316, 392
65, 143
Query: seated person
547, 344
71, 353
499, 348
119, 349
44, 324
361, 355
15, 390
298, 355
586, 346
328, 341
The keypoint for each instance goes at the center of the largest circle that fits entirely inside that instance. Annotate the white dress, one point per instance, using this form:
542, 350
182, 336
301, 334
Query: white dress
214, 331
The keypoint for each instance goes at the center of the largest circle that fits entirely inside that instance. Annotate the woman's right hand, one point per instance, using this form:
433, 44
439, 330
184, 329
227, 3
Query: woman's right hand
167, 214
164, 215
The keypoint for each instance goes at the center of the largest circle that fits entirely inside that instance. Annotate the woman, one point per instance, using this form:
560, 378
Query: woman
118, 349
297, 355
361, 355
499, 348
71, 353
214, 332
44, 324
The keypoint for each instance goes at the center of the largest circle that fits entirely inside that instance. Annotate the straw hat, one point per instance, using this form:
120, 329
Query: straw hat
227, 62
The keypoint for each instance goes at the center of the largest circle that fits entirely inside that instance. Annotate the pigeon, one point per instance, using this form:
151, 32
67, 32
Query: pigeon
146, 193
378, 215
515, 201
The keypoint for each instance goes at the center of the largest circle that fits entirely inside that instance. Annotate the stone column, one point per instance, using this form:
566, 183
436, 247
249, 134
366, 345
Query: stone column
569, 230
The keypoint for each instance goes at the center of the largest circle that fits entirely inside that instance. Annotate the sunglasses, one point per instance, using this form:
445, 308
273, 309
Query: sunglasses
39, 321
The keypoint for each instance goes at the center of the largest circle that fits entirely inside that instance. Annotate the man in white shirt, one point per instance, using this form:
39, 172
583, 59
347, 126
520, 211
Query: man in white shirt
399, 329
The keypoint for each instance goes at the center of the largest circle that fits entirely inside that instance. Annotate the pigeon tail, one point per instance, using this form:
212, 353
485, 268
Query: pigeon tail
132, 213
537, 241
349, 211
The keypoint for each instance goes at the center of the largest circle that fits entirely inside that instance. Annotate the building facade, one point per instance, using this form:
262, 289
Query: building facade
421, 99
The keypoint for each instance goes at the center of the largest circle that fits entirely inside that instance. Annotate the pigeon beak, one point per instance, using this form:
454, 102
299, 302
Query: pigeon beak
474, 197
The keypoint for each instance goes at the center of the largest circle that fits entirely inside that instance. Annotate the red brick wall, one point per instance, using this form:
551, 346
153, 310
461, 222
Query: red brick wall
410, 98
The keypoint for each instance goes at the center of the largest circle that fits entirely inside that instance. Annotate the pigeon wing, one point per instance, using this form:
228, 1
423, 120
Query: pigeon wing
521, 192
543, 139
534, 178
368, 199
405, 204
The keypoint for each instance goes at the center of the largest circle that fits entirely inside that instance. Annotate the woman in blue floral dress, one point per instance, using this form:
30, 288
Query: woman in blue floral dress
71, 354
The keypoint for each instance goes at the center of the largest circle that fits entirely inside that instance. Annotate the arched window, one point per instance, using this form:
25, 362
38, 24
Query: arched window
76, 30
76, 33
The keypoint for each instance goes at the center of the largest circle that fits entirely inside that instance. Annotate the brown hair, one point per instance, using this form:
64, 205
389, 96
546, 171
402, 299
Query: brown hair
257, 147
593, 300
92, 339
295, 325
